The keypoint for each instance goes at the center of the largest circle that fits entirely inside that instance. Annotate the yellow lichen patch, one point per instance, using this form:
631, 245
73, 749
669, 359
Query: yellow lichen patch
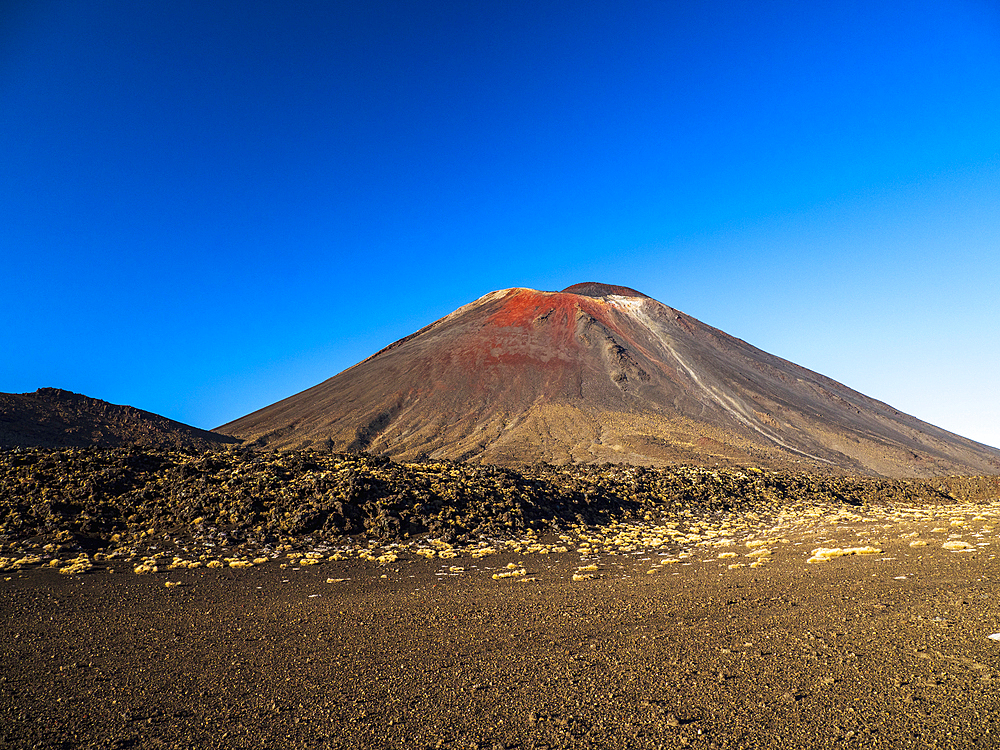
313, 561
80, 564
240, 564
455, 569
424, 552
762, 552
482, 552
760, 563
148, 565
171, 584
726, 555
21, 562
260, 560
958, 546
583, 576
736, 566
510, 574
447, 554
214, 564
592, 566
825, 554
918, 543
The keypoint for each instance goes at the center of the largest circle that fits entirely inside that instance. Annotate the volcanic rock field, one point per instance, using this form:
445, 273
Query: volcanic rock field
117, 500
236, 598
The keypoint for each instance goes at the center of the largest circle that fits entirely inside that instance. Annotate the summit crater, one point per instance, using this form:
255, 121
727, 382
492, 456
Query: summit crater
596, 289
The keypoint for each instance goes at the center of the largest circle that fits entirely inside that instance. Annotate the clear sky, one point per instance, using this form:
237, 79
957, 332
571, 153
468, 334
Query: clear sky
208, 206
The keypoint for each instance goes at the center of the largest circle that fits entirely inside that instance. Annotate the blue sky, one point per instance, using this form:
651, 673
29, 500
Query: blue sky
208, 206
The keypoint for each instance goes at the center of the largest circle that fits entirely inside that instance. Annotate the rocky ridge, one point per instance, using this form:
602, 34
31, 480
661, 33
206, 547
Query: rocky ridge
54, 418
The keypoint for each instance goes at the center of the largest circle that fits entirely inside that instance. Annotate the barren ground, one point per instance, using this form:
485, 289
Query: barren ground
659, 649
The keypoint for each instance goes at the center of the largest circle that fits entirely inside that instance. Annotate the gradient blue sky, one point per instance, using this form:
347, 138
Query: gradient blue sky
208, 206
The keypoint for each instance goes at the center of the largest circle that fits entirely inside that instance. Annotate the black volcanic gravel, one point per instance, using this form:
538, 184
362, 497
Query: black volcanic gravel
845, 655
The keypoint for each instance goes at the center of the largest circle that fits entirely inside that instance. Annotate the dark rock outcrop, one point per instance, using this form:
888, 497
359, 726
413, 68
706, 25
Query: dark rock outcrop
126, 495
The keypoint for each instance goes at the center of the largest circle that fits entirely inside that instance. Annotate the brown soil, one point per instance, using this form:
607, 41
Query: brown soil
888, 649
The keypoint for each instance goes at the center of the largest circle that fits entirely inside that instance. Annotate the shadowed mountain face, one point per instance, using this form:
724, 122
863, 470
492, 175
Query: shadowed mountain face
53, 418
601, 373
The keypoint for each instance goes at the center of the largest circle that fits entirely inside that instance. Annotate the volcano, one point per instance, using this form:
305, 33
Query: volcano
600, 373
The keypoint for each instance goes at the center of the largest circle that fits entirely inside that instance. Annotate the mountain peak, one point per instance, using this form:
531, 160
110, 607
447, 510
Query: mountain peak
600, 373
596, 289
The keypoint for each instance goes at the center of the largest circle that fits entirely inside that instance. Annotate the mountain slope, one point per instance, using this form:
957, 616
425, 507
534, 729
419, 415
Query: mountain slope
602, 373
53, 418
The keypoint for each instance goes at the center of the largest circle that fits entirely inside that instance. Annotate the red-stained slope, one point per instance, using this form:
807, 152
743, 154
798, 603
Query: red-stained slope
601, 373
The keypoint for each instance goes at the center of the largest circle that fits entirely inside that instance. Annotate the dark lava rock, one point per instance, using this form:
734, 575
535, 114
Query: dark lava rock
100, 497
